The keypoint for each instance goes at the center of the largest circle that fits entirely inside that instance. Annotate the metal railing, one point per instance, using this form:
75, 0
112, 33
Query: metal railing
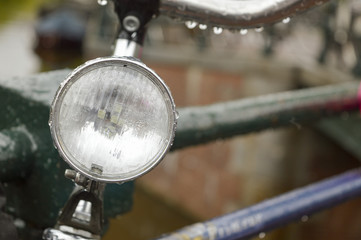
235, 14
196, 125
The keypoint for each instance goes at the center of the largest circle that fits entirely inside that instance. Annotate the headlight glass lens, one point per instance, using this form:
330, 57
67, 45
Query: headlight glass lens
113, 119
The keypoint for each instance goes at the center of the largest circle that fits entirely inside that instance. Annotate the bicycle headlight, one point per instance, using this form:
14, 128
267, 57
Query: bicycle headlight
113, 119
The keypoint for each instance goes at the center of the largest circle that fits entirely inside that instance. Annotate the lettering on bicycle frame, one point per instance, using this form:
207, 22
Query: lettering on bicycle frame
209, 231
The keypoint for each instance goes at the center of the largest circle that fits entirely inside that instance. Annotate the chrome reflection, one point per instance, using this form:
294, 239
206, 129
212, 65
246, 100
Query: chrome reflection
235, 14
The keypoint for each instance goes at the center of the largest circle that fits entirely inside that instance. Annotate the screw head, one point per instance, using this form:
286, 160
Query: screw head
131, 23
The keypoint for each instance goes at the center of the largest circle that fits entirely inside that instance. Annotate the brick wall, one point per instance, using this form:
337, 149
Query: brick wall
226, 175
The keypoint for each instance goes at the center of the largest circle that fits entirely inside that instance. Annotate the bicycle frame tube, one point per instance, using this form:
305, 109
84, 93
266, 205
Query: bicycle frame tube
235, 14
223, 120
273, 213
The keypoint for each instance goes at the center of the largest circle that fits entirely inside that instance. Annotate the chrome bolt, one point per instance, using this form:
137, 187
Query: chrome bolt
131, 23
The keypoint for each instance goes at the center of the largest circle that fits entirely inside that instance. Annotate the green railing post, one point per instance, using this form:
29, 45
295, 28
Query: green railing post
30, 169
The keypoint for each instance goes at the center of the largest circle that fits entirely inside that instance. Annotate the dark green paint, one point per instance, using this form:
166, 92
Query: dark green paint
16, 150
33, 175
203, 124
345, 130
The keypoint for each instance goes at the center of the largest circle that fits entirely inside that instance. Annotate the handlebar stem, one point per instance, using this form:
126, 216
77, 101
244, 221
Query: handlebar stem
82, 216
133, 17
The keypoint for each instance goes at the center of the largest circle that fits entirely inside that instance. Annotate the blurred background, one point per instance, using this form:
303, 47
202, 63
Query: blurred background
320, 47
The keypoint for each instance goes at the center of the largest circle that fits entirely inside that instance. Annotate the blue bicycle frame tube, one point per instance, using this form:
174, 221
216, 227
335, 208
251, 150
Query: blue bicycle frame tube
275, 212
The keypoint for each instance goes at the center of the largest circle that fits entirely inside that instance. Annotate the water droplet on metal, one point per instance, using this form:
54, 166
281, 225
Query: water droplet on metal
259, 29
243, 31
102, 2
286, 20
262, 235
191, 24
217, 30
202, 26
176, 114
304, 218
19, 223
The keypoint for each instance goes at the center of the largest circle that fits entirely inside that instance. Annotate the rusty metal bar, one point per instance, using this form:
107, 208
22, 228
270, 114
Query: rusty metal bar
296, 205
203, 124
235, 14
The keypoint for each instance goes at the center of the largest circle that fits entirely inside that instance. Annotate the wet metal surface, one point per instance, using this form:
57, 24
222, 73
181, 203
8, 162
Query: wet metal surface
198, 125
223, 120
36, 188
273, 213
235, 14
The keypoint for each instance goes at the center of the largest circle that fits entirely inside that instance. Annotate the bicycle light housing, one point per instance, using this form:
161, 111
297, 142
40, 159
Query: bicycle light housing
113, 119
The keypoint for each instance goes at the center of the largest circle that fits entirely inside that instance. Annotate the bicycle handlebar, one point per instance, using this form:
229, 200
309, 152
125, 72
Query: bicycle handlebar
235, 14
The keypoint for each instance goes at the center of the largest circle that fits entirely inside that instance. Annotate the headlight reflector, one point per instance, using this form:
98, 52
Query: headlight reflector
113, 119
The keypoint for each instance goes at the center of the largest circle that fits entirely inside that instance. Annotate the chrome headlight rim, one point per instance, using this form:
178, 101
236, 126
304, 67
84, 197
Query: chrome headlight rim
135, 65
